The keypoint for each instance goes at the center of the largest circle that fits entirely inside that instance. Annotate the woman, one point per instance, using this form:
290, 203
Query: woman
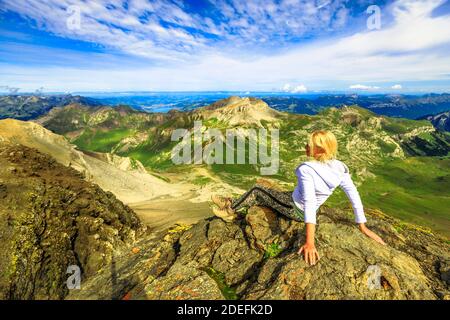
317, 179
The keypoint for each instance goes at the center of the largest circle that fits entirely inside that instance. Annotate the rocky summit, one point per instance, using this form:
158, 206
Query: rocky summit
50, 219
255, 257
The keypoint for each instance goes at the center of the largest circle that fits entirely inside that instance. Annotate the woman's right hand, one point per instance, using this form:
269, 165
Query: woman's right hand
310, 253
371, 234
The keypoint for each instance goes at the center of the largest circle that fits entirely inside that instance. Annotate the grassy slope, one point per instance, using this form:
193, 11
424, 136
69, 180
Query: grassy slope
414, 190
101, 141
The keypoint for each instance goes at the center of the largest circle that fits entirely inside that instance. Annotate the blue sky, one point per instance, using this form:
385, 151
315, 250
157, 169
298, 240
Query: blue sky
256, 45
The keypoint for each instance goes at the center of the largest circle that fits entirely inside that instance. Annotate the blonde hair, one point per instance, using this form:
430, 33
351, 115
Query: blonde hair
323, 145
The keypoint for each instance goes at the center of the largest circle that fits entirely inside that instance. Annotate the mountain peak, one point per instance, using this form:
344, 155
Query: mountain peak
240, 111
235, 101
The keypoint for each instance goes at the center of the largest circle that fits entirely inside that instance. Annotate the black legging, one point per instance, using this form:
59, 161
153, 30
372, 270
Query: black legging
279, 201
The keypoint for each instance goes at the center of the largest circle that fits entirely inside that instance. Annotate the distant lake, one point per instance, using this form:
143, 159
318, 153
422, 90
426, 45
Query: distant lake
165, 101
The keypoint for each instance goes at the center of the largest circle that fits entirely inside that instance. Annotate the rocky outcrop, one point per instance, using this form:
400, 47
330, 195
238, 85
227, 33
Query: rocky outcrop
50, 219
255, 257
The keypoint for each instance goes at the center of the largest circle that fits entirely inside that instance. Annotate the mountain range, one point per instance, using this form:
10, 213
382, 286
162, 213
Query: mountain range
30, 106
25, 107
409, 106
379, 149
71, 170
392, 105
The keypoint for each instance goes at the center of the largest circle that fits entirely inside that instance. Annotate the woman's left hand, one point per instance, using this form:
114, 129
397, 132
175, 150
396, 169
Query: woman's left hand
370, 234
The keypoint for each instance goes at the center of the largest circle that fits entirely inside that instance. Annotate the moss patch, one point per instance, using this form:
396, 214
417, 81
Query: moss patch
228, 292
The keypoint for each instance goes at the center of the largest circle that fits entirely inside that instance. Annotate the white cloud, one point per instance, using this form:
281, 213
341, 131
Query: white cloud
299, 89
289, 18
397, 87
294, 89
168, 30
414, 47
118, 28
363, 87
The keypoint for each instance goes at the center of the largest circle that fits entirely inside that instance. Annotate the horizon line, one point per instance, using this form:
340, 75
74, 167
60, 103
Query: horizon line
242, 92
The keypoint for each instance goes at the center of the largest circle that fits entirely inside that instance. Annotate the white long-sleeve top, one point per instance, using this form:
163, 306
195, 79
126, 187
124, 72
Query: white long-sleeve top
317, 181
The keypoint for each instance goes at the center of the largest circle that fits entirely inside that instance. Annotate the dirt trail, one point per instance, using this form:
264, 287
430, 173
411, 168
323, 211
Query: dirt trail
163, 212
188, 206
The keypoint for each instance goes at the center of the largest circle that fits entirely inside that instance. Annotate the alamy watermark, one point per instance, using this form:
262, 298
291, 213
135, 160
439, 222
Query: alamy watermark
373, 277
73, 21
374, 20
74, 280
237, 146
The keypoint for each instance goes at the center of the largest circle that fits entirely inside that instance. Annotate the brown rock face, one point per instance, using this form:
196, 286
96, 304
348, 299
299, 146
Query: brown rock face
255, 257
50, 219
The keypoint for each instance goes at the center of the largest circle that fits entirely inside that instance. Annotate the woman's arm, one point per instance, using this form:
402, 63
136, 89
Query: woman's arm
309, 249
353, 195
306, 184
370, 234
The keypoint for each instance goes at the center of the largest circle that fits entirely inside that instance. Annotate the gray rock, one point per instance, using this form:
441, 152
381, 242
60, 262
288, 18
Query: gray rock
352, 266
